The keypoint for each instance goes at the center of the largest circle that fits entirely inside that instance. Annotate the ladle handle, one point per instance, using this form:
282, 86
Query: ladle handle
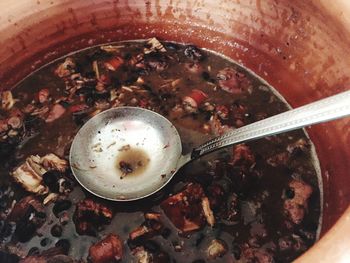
327, 109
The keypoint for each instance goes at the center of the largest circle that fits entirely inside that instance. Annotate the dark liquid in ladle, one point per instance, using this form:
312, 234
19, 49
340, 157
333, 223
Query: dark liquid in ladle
131, 161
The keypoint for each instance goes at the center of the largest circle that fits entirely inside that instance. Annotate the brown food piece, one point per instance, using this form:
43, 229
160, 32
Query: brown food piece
222, 111
217, 128
296, 207
279, 159
114, 63
89, 215
56, 112
7, 100
43, 95
107, 250
184, 209
230, 80
242, 156
66, 68
299, 146
151, 227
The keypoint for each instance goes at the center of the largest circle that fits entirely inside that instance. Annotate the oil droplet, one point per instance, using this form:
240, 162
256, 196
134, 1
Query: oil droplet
131, 161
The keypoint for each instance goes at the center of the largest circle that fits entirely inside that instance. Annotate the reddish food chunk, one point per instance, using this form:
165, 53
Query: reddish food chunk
43, 95
56, 112
242, 156
193, 67
78, 108
185, 209
107, 250
192, 101
297, 205
90, 215
222, 111
230, 80
114, 63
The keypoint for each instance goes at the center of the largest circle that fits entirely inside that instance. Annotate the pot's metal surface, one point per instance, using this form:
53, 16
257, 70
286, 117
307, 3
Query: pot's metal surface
300, 47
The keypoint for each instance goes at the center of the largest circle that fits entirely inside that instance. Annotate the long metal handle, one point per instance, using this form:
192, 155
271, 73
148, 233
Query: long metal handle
327, 109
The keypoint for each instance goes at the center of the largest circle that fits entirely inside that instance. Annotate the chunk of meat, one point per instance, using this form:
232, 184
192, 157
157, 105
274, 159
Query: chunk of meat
230, 80
78, 108
217, 248
192, 101
296, 207
217, 128
43, 95
222, 111
7, 100
194, 68
184, 209
109, 249
28, 214
151, 227
242, 156
153, 45
114, 63
53, 162
66, 68
30, 173
55, 113
279, 159
142, 255
90, 215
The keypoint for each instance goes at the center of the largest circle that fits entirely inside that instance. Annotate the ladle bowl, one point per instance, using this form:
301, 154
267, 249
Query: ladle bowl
129, 153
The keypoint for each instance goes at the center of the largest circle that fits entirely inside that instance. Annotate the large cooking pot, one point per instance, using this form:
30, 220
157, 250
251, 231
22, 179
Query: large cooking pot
300, 47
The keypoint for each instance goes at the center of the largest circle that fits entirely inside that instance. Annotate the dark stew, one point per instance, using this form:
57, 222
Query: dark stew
254, 202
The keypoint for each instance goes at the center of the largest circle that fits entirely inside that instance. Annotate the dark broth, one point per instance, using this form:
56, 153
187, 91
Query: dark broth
251, 217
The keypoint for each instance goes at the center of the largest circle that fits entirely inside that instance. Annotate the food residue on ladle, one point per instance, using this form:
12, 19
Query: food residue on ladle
131, 161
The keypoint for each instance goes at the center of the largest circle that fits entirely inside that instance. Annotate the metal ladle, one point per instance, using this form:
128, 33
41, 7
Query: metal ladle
128, 153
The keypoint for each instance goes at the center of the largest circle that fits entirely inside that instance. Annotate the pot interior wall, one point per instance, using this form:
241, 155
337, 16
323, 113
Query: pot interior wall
296, 47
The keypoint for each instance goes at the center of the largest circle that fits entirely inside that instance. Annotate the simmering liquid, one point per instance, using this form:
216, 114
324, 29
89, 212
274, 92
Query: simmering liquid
254, 202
